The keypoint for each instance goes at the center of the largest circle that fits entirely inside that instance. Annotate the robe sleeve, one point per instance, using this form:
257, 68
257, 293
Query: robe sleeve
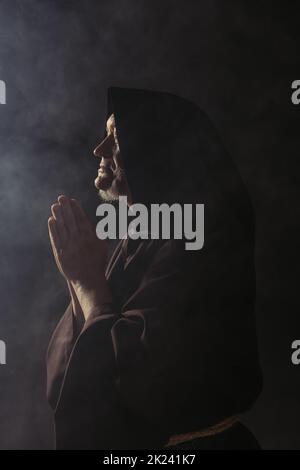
58, 353
135, 364
122, 353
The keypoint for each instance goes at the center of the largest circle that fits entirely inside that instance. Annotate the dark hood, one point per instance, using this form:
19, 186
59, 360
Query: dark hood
172, 153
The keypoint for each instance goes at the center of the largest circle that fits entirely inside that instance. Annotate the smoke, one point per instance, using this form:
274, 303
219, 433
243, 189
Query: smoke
57, 59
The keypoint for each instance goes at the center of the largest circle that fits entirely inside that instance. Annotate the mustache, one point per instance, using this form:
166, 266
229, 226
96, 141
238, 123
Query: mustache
106, 170
117, 172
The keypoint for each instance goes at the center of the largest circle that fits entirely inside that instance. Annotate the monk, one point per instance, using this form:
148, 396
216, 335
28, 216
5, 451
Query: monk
157, 348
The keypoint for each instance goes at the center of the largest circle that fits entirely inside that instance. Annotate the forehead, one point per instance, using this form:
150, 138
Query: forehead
110, 124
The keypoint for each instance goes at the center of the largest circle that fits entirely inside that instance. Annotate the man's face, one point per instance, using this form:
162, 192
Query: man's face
111, 181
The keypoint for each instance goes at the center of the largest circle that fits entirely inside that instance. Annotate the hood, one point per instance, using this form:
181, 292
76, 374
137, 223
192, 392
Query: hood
172, 153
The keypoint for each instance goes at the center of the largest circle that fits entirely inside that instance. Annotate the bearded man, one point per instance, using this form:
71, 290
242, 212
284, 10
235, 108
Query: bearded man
157, 347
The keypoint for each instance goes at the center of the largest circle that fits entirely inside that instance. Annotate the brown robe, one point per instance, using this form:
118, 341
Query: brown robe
177, 352
156, 366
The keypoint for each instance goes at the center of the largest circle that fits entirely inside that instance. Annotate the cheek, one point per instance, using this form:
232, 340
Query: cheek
113, 164
118, 160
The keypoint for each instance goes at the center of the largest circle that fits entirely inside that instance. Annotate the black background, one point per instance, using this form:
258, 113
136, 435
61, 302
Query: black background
235, 59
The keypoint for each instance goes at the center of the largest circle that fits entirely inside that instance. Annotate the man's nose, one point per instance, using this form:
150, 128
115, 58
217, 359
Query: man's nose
105, 148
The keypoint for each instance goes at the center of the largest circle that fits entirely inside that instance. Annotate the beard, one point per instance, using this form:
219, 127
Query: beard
112, 185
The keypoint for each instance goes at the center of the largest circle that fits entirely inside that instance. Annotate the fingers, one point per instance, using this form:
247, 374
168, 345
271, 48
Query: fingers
70, 219
53, 234
82, 221
60, 225
68, 215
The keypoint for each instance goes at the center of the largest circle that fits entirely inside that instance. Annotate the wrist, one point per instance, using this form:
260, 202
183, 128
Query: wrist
74, 300
94, 297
